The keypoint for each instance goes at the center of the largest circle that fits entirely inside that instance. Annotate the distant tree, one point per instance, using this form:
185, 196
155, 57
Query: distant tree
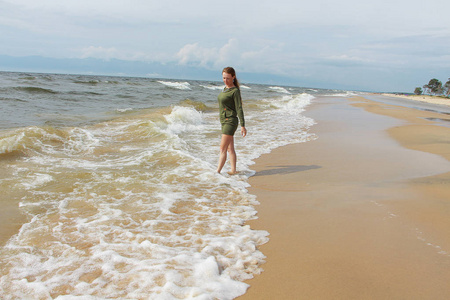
435, 86
447, 88
426, 89
418, 91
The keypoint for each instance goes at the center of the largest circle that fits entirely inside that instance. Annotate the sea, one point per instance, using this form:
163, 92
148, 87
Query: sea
117, 179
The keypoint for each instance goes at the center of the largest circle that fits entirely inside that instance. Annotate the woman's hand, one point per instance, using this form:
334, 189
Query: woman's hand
243, 131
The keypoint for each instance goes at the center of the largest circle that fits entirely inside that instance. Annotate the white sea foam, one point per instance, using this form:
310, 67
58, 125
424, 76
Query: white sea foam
123, 110
36, 180
80, 141
183, 119
293, 104
11, 143
31, 138
177, 85
213, 87
345, 94
280, 89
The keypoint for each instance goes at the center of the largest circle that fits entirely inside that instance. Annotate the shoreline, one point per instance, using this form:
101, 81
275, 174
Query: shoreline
347, 214
421, 98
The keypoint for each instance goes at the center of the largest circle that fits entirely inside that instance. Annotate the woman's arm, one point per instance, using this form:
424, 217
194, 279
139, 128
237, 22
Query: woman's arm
239, 109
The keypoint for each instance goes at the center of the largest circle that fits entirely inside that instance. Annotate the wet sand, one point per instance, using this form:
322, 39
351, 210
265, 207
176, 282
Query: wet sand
362, 212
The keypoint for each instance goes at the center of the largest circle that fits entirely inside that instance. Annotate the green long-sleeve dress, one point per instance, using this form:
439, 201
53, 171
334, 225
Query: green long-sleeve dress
230, 110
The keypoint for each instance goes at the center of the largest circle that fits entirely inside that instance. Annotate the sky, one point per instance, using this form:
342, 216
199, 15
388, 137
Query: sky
375, 45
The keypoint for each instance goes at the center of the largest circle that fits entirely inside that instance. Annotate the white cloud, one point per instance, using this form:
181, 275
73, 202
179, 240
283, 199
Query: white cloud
193, 53
264, 57
209, 57
229, 52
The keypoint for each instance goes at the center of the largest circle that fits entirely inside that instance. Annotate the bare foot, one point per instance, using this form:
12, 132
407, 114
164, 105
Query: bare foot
232, 173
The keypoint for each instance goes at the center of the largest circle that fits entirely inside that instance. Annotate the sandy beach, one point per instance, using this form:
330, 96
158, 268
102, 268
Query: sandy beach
422, 98
362, 212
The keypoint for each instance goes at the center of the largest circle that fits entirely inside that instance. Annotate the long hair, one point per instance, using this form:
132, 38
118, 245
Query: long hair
232, 72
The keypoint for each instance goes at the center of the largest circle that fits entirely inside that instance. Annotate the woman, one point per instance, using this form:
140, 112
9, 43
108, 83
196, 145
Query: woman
230, 109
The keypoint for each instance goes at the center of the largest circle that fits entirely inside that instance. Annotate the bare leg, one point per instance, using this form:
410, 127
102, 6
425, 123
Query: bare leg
224, 143
233, 157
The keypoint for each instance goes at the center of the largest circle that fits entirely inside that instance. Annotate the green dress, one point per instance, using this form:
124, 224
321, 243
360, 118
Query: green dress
230, 109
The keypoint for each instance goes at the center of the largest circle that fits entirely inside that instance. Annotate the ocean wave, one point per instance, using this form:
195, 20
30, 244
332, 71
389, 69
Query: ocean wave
212, 87
183, 119
124, 110
87, 82
28, 78
27, 138
177, 85
95, 82
289, 104
294, 104
344, 94
198, 105
35, 90
279, 89
48, 140
13, 100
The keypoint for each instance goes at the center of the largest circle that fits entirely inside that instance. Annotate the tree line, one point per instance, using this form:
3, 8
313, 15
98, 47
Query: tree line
434, 87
